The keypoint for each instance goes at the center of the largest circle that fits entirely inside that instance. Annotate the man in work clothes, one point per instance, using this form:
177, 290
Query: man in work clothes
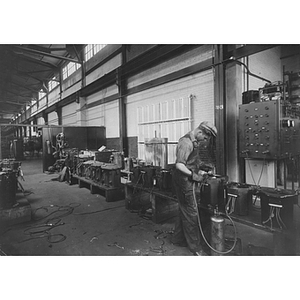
189, 161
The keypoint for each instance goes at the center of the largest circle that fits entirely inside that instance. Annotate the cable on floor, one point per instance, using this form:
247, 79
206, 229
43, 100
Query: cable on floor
98, 211
67, 209
43, 230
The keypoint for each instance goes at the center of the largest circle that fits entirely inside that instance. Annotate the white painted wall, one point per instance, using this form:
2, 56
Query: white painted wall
52, 118
104, 69
266, 64
111, 90
187, 59
74, 88
54, 96
40, 121
69, 114
200, 86
111, 119
99, 115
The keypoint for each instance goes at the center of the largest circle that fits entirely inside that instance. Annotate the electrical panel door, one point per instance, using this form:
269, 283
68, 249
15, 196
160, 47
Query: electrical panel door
266, 132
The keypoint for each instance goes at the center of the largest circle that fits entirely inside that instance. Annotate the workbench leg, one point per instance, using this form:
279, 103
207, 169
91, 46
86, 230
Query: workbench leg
155, 218
92, 189
80, 183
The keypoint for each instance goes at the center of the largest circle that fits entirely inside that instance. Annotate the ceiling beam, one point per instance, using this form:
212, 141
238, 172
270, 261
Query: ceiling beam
18, 95
247, 50
12, 111
23, 86
26, 75
48, 54
37, 61
37, 71
48, 50
13, 103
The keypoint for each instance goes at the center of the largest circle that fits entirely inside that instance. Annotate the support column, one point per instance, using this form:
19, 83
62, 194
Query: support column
30, 130
59, 114
0, 142
122, 87
81, 115
220, 110
234, 98
45, 117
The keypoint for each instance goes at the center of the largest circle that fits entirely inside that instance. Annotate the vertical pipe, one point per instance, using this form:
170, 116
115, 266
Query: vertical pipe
293, 175
247, 73
0, 142
298, 169
284, 173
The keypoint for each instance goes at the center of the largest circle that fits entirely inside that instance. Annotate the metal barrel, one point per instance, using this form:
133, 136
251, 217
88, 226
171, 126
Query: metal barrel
8, 188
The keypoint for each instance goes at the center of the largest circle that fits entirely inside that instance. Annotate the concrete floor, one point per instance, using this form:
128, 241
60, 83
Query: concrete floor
113, 232
87, 225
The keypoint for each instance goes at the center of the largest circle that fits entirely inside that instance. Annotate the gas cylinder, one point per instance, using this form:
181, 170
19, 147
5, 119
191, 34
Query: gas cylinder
217, 233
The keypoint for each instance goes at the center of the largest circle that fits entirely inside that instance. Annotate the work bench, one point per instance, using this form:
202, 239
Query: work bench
110, 193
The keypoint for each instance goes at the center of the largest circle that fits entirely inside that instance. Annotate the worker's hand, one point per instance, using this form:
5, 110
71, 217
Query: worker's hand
200, 176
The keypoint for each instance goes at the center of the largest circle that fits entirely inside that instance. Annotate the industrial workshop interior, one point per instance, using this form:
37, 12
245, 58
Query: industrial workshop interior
89, 148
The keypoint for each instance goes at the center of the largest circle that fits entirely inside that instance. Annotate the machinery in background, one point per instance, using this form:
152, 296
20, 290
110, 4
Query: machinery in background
269, 133
101, 167
269, 144
269, 130
10, 170
149, 176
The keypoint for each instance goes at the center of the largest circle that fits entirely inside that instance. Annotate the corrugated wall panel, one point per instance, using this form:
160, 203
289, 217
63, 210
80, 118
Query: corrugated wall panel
69, 114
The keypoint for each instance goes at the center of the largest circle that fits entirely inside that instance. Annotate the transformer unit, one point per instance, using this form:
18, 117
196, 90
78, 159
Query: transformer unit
267, 131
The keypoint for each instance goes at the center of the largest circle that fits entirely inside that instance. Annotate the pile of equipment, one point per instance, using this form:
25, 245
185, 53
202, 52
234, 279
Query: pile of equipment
10, 170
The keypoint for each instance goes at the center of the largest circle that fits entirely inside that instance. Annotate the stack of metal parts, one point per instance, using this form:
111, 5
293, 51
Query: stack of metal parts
105, 174
153, 177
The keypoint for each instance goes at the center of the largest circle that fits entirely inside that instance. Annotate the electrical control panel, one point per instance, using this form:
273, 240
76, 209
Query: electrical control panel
267, 132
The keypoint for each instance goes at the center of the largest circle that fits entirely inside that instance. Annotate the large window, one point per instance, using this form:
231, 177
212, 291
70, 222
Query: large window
53, 83
91, 49
41, 94
69, 69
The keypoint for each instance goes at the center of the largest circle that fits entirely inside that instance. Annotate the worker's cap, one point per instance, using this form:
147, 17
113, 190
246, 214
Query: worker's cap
208, 128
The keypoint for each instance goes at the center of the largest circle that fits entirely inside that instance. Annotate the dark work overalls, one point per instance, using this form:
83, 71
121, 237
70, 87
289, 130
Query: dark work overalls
186, 227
